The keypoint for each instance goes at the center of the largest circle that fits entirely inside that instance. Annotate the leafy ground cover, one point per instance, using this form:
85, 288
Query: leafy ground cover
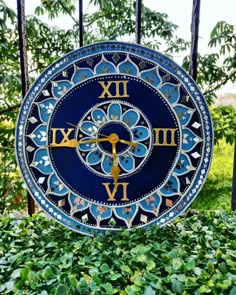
193, 255
216, 193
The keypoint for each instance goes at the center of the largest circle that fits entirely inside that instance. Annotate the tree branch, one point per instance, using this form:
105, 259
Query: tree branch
4, 111
67, 10
221, 84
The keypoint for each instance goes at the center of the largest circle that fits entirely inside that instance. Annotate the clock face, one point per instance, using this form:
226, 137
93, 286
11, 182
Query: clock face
114, 136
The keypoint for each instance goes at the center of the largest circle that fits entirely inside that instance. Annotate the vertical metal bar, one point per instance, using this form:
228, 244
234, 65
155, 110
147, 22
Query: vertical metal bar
24, 70
138, 8
233, 200
194, 38
22, 46
81, 27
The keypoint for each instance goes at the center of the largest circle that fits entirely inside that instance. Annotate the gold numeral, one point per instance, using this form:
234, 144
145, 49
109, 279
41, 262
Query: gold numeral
165, 136
120, 89
112, 194
65, 134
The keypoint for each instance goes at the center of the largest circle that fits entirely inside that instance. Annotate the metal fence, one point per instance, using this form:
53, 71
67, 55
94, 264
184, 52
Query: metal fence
138, 14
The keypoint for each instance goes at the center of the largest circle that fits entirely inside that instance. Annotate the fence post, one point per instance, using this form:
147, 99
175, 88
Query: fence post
194, 39
138, 11
81, 28
24, 71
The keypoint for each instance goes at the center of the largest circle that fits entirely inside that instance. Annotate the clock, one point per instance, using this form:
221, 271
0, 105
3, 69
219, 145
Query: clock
114, 136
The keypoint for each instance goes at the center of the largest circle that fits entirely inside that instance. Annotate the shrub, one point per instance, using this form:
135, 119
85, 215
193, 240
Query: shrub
193, 255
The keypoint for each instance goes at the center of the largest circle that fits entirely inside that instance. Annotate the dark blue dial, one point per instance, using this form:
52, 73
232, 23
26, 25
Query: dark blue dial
145, 168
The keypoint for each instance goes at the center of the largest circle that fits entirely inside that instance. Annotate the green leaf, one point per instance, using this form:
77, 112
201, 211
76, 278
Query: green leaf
105, 268
149, 291
233, 291
177, 287
24, 273
16, 273
150, 265
204, 289
197, 271
115, 276
125, 268
177, 263
61, 290
2, 287
108, 288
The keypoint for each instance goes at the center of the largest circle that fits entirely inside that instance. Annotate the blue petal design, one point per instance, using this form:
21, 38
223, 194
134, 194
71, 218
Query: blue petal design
41, 161
131, 118
107, 163
99, 116
171, 187
104, 67
184, 114
171, 92
128, 67
151, 76
100, 212
39, 135
46, 108
89, 128
77, 203
190, 140
139, 151
114, 111
151, 203
126, 213
59, 88
94, 157
140, 133
56, 186
81, 74
85, 147
127, 162
184, 165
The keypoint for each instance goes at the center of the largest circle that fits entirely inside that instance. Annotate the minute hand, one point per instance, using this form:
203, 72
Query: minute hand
128, 142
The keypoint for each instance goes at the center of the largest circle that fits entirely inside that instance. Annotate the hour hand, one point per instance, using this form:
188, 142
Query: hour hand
72, 143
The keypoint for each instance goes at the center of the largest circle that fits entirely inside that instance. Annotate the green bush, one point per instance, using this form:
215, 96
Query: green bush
193, 255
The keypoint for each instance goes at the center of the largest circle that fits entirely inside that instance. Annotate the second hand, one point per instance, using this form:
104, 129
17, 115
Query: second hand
79, 127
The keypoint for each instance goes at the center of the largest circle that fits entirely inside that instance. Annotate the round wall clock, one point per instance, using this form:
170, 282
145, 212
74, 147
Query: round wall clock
114, 136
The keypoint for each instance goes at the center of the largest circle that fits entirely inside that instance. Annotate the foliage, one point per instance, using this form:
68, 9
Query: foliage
216, 192
225, 123
111, 20
38, 256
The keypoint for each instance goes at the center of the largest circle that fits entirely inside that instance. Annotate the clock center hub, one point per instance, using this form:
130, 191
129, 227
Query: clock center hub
115, 132
113, 138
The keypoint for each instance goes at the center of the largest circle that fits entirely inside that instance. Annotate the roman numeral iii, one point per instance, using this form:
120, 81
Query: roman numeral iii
165, 136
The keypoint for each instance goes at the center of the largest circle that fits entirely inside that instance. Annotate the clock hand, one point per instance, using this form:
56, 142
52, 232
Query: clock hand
115, 170
77, 126
134, 144
72, 143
